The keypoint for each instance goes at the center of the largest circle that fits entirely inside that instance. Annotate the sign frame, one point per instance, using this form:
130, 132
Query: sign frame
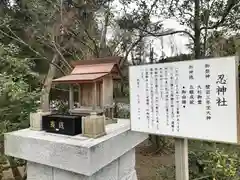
236, 59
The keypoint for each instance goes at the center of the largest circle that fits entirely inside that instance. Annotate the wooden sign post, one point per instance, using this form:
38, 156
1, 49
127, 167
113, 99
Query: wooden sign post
181, 159
195, 99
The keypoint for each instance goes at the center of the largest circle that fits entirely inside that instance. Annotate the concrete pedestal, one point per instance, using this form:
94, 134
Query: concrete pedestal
60, 157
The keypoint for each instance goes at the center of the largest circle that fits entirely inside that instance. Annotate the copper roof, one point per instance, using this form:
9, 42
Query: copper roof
72, 78
94, 68
90, 70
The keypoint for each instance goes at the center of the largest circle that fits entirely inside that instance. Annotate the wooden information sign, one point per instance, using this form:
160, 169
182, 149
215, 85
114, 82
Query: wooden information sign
189, 99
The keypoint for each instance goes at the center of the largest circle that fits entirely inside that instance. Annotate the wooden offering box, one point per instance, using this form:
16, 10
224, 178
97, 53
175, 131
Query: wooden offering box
62, 124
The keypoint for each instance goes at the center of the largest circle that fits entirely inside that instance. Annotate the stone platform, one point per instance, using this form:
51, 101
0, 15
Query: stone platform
61, 157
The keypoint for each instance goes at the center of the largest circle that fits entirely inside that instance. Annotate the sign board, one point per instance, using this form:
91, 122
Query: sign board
189, 99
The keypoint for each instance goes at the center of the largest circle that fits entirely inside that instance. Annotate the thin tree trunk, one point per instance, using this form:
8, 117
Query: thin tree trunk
197, 30
206, 22
47, 84
103, 49
205, 43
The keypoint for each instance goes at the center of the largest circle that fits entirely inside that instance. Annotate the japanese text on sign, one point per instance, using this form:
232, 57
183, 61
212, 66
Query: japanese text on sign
185, 99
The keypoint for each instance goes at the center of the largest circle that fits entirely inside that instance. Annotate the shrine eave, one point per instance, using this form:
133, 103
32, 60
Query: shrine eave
79, 78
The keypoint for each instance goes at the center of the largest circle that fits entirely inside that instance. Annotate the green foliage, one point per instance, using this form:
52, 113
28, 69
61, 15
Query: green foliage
17, 97
208, 161
221, 45
214, 161
61, 107
210, 16
122, 112
166, 173
210, 12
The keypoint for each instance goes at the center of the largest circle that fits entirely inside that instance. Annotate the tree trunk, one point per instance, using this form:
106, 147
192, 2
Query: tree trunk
197, 31
206, 22
103, 47
47, 84
205, 43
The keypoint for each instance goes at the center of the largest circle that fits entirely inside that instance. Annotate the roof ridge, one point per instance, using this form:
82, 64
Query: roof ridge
96, 64
93, 69
90, 73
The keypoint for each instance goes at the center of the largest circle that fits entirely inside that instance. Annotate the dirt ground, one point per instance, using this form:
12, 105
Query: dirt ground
148, 162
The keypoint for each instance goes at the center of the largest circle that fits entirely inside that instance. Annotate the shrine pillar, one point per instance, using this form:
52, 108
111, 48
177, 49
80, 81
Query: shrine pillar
107, 91
71, 97
94, 95
79, 95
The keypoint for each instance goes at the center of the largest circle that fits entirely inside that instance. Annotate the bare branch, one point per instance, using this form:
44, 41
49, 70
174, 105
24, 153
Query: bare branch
130, 49
152, 6
141, 36
43, 40
94, 42
167, 33
171, 8
230, 6
211, 6
82, 42
115, 47
18, 39
62, 57
184, 12
96, 52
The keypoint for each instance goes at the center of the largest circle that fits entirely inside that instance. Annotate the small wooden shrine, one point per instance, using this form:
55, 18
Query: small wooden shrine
95, 79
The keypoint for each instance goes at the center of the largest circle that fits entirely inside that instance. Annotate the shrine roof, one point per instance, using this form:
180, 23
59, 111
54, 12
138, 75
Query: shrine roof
75, 78
91, 70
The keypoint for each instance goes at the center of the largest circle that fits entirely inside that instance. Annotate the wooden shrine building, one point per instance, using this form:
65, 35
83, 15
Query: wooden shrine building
95, 79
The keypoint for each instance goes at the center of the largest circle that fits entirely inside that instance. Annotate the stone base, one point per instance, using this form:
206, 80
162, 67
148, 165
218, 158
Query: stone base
122, 168
61, 157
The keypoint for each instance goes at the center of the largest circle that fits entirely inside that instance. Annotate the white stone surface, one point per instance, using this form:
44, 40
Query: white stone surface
126, 164
110, 172
38, 172
60, 174
77, 154
131, 176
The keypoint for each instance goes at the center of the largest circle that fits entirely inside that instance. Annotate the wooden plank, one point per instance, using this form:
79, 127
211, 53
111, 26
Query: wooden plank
71, 97
87, 94
237, 95
181, 159
95, 96
107, 91
79, 95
